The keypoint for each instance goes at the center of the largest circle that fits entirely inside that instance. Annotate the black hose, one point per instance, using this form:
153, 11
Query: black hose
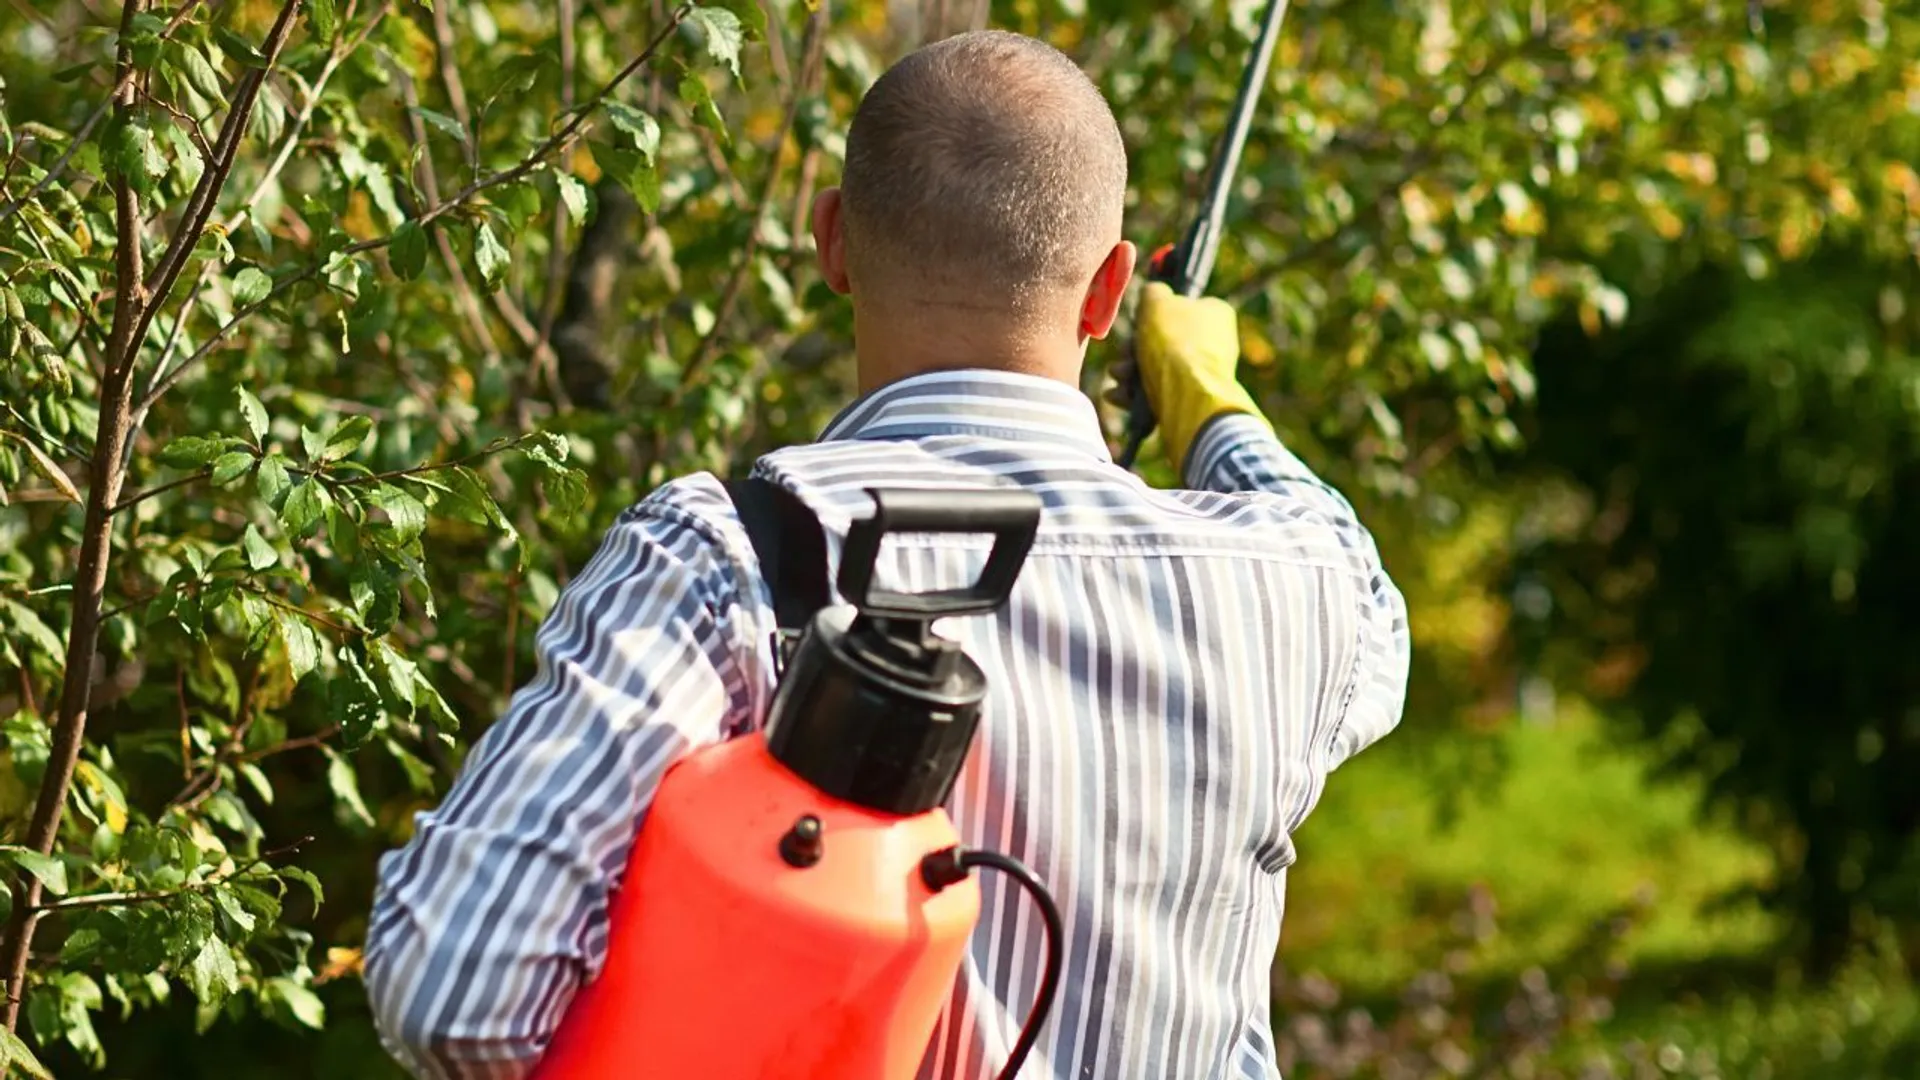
943, 868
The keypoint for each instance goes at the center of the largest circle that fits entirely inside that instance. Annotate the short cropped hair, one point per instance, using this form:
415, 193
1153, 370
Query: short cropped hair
984, 169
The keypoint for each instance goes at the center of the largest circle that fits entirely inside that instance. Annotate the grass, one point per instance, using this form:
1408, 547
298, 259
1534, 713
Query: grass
1569, 832
1421, 859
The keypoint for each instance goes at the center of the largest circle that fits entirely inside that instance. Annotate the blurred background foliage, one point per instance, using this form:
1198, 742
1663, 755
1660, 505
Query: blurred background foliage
1604, 313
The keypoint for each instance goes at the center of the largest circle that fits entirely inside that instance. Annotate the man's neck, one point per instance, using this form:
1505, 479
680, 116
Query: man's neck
890, 350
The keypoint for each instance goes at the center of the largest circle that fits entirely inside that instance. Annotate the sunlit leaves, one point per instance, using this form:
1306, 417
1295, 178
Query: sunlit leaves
490, 257
723, 33
639, 126
47, 869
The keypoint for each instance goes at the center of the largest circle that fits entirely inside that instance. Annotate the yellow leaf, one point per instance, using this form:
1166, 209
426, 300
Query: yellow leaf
1842, 202
1255, 349
340, 963
48, 468
585, 167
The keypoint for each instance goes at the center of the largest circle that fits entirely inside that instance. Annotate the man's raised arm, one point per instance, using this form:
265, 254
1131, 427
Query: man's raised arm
1188, 350
494, 914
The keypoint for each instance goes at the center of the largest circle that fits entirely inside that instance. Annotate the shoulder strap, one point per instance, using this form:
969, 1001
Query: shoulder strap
787, 538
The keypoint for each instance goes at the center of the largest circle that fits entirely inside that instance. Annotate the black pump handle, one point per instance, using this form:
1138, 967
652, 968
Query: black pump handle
1011, 517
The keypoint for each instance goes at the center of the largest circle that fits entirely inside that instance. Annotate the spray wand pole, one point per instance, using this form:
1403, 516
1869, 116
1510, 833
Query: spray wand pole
1187, 266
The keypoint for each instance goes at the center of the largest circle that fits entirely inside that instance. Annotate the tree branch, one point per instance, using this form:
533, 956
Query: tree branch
90, 577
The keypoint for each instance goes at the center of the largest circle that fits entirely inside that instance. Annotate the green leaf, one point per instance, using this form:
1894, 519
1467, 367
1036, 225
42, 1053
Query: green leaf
489, 256
753, 17
407, 514
397, 672
408, 252
51, 872
239, 48
345, 786
272, 480
131, 151
260, 554
354, 701
212, 975
303, 1004
313, 442
231, 466
447, 125
191, 451
347, 438
324, 21
257, 779
254, 413
305, 877
419, 773
16, 1055
695, 95
250, 286
302, 644
632, 172
375, 596
27, 622
305, 505
574, 194
639, 126
724, 35
199, 72
428, 695
518, 74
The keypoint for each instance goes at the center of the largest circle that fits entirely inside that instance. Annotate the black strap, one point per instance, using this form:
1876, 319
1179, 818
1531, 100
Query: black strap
791, 546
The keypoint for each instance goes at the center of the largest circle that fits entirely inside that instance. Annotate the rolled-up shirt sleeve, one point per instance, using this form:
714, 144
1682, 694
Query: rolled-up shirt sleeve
1240, 453
489, 919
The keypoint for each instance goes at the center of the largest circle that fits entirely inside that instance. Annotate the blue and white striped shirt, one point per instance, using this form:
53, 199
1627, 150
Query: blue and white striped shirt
1172, 681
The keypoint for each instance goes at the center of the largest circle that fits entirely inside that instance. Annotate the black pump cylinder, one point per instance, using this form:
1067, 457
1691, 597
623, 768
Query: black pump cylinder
859, 726
874, 708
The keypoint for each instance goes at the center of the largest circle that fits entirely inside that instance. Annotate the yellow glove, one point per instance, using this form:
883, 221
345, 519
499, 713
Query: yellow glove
1187, 351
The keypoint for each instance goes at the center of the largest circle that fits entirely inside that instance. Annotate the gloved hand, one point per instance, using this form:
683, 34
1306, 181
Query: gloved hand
1187, 350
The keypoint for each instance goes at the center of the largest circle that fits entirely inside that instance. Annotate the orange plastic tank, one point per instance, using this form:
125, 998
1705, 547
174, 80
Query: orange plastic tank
796, 906
843, 966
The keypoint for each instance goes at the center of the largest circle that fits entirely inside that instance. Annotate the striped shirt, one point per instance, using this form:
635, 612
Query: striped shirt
1172, 681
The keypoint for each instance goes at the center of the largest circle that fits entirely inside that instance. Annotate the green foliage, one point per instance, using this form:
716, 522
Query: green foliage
1730, 547
424, 308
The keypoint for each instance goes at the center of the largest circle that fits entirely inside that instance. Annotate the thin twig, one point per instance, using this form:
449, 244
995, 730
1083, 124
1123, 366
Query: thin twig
318, 738
142, 496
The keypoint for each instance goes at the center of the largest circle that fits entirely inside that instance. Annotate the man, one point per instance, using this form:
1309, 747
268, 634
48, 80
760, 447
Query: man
1172, 681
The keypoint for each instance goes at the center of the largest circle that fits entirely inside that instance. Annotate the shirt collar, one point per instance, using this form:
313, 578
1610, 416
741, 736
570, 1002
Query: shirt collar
975, 401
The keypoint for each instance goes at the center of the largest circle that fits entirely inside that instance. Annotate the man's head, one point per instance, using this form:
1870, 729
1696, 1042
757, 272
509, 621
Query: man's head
978, 221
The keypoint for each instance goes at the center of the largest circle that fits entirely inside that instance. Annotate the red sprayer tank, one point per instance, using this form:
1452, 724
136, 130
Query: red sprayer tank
797, 906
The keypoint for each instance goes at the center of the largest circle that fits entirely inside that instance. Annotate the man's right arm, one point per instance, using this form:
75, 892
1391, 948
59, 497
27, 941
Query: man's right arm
1188, 350
1239, 452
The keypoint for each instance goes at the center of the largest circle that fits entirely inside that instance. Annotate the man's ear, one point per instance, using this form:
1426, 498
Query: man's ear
1104, 294
829, 240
